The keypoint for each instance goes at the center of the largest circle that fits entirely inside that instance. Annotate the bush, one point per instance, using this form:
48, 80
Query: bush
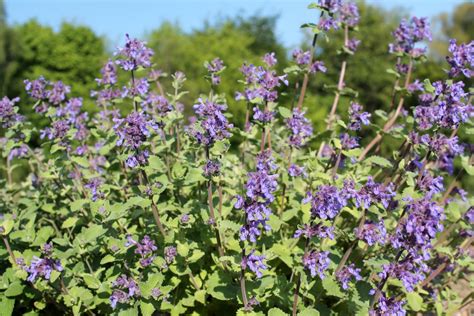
143, 212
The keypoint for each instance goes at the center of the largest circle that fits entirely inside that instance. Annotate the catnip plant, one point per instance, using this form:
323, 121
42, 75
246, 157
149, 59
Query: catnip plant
151, 205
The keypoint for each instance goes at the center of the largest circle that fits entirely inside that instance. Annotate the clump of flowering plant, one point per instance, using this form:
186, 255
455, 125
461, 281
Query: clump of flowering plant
151, 212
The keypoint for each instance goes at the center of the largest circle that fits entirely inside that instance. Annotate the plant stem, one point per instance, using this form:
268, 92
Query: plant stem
351, 248
9, 173
392, 119
243, 288
298, 282
306, 76
211, 211
154, 208
381, 285
135, 105
9, 249
340, 83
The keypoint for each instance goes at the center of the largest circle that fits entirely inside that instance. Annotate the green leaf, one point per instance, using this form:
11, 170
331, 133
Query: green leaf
6, 306
332, 287
285, 112
107, 259
415, 301
91, 281
81, 161
7, 226
467, 165
308, 312
379, 161
14, 289
197, 254
147, 308
392, 72
70, 222
428, 86
276, 312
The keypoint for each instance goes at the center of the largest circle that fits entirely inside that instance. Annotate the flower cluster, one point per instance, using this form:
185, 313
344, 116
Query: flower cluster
255, 263
41, 268
261, 82
212, 124
132, 132
408, 34
134, 54
319, 230
416, 231
317, 262
8, 114
345, 275
125, 288
39, 90
214, 68
462, 59
388, 306
357, 118
447, 107
326, 202
303, 59
145, 249
300, 127
260, 186
372, 233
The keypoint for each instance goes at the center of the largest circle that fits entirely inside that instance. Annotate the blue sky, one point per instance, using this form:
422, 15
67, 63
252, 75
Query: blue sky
114, 18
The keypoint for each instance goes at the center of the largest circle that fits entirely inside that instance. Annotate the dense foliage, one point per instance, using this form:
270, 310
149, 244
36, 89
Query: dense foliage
146, 212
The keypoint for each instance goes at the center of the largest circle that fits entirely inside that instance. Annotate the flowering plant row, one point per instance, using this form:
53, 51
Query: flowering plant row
147, 212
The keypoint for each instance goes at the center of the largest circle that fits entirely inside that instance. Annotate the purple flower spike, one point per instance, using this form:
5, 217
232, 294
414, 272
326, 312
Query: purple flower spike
345, 275
255, 263
134, 54
462, 59
300, 127
125, 288
317, 262
326, 202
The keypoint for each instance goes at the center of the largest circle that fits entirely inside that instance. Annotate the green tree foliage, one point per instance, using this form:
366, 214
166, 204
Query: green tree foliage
73, 54
231, 40
459, 25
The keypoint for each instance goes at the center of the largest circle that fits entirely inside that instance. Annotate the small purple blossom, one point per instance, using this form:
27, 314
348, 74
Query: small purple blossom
125, 288
134, 54
170, 254
349, 14
326, 202
145, 249
316, 262
212, 125
109, 74
345, 275
18, 152
357, 117
461, 59
296, 171
41, 268
94, 185
36, 88
319, 230
408, 34
388, 306
212, 168
8, 115
372, 233
255, 263
300, 127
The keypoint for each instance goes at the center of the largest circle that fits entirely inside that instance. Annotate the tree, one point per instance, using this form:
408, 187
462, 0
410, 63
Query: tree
73, 55
233, 40
458, 25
